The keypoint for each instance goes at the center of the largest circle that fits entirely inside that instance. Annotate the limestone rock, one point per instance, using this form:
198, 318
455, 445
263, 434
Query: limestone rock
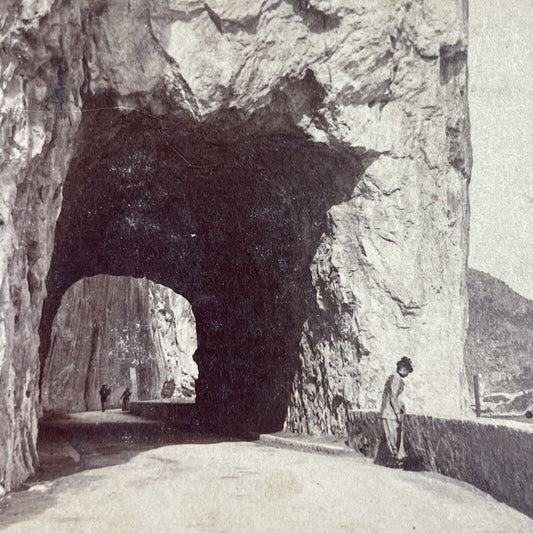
378, 83
108, 326
40, 75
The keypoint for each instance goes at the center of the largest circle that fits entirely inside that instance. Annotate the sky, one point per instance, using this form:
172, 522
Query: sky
501, 113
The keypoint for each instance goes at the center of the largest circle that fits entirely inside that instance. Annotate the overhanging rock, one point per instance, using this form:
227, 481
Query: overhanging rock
375, 92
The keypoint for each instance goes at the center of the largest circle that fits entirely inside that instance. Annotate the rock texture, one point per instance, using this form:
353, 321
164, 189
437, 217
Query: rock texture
108, 325
313, 157
40, 75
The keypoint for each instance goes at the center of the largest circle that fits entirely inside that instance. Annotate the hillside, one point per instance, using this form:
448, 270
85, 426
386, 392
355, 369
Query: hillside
499, 342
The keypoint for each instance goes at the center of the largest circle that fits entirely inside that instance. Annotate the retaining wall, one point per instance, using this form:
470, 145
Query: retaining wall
494, 455
183, 413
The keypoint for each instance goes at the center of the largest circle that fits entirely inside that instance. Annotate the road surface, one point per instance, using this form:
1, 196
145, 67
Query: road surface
205, 485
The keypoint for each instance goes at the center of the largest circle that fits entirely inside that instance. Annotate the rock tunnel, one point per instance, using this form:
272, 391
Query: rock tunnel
298, 171
231, 222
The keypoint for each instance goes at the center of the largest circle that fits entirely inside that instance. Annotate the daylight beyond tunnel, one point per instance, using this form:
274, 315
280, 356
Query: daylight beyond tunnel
228, 218
122, 332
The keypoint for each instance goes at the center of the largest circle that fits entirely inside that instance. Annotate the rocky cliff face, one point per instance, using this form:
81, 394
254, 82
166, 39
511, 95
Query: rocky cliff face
40, 75
499, 344
312, 158
109, 326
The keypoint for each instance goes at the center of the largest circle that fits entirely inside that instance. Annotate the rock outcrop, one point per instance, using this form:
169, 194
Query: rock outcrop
313, 159
41, 72
109, 326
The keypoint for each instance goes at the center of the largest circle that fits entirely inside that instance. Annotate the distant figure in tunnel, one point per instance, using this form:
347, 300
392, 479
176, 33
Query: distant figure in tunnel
126, 399
168, 388
392, 415
105, 391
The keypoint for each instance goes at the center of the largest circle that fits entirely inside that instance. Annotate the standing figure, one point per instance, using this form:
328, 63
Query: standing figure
169, 386
126, 399
393, 412
105, 391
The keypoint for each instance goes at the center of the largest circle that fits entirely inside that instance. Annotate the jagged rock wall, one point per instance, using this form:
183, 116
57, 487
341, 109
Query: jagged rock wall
383, 80
173, 334
107, 325
40, 75
389, 273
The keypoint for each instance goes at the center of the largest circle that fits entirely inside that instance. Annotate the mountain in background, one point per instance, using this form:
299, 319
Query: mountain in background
499, 343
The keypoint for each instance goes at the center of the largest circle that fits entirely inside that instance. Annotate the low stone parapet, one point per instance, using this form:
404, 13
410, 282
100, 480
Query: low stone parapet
493, 455
182, 413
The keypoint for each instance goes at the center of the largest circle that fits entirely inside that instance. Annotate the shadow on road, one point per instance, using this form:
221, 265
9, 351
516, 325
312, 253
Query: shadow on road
69, 445
72, 444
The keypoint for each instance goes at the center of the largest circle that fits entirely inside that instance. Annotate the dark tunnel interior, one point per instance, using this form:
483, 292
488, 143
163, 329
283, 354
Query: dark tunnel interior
229, 220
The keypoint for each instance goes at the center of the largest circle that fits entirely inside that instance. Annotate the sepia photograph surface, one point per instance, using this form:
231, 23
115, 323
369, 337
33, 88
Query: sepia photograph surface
266, 266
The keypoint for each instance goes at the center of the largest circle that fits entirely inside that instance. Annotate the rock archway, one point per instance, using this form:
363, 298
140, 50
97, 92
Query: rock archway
297, 170
124, 332
230, 219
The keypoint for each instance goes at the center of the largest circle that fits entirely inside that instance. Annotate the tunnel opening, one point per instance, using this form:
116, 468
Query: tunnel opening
225, 214
127, 333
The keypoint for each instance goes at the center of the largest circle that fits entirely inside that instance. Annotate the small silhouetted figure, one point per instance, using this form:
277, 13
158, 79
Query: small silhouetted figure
126, 399
169, 386
105, 391
393, 413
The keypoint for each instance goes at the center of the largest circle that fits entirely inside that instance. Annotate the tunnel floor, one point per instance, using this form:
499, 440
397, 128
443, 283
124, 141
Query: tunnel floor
75, 442
205, 483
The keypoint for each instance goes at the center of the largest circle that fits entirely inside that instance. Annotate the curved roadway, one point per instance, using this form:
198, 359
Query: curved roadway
211, 486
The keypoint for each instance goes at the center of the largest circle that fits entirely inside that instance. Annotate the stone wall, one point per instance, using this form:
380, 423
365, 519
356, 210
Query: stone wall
375, 93
107, 325
493, 455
